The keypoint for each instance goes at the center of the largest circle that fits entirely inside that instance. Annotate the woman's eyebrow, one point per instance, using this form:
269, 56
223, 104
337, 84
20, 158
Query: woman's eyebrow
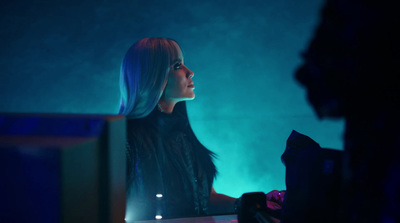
177, 60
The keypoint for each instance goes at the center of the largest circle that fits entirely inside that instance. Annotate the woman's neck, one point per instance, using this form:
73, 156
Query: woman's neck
166, 106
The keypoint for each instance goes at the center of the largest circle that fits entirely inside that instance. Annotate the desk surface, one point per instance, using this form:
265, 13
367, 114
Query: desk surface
205, 219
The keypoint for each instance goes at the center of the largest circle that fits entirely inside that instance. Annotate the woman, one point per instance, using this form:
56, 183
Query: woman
170, 173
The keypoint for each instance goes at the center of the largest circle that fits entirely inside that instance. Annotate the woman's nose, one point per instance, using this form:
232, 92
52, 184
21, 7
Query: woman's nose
190, 74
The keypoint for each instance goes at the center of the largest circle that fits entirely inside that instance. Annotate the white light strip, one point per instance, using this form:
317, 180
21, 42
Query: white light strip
158, 217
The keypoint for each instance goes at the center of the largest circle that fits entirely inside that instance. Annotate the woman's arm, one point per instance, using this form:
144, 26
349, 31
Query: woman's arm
221, 203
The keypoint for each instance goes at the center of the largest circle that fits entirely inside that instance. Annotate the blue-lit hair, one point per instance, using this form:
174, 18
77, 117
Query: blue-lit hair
144, 74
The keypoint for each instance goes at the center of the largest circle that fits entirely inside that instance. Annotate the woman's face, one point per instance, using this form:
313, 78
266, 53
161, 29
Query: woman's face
180, 84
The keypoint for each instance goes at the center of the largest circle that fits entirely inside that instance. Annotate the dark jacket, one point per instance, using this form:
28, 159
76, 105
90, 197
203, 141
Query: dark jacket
165, 157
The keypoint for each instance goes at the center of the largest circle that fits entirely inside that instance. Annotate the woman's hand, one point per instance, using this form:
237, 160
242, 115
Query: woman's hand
275, 199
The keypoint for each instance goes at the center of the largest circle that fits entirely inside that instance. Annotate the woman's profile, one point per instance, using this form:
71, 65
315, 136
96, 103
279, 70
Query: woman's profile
170, 173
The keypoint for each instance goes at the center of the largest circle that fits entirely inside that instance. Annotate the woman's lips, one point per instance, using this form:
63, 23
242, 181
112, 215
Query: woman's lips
191, 86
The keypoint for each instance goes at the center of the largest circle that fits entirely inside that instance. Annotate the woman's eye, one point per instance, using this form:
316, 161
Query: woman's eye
177, 66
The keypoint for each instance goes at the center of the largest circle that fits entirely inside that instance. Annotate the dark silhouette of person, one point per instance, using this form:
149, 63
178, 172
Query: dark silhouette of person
350, 71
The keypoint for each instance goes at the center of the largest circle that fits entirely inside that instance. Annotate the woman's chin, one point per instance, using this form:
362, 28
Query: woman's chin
191, 98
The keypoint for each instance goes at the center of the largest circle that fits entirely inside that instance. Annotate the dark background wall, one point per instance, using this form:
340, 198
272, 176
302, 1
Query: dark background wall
64, 56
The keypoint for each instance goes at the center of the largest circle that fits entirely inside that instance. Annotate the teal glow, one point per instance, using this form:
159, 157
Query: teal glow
65, 58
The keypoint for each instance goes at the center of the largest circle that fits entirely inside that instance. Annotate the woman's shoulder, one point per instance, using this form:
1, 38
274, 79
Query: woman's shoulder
139, 138
138, 125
